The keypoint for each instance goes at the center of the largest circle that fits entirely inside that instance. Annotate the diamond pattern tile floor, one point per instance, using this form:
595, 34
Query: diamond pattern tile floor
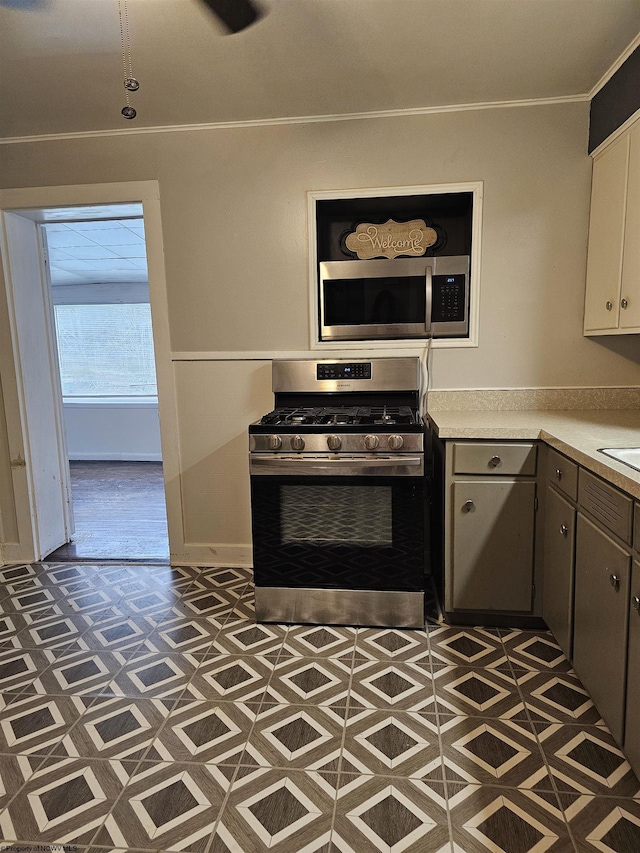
142, 709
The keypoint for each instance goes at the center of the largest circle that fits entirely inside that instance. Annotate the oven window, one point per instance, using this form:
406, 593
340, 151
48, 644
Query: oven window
337, 514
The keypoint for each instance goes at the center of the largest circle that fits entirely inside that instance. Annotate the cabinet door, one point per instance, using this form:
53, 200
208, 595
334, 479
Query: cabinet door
632, 725
493, 534
606, 235
557, 595
601, 620
630, 292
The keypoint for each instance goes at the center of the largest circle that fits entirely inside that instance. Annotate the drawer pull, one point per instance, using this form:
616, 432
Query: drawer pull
558, 473
468, 506
624, 304
495, 461
636, 603
615, 582
564, 529
608, 305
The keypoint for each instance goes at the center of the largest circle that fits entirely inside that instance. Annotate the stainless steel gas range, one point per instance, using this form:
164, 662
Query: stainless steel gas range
338, 494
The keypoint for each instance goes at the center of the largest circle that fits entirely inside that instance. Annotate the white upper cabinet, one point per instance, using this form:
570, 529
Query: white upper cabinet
612, 303
630, 292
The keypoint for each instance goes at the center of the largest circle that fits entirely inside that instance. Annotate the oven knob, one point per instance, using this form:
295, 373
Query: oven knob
275, 442
396, 442
297, 442
371, 442
334, 442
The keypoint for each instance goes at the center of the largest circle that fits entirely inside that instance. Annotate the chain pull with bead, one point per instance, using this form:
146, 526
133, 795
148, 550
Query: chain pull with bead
130, 82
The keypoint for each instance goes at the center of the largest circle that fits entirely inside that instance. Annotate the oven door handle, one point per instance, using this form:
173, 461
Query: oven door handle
341, 465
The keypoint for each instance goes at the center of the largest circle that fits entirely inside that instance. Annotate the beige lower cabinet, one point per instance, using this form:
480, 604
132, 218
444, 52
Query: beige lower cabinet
490, 526
600, 627
559, 555
632, 722
493, 533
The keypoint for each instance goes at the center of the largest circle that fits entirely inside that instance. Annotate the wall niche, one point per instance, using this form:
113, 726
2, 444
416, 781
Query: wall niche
452, 216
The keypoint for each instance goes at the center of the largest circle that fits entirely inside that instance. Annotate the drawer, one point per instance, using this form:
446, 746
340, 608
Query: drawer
636, 527
562, 473
499, 459
613, 509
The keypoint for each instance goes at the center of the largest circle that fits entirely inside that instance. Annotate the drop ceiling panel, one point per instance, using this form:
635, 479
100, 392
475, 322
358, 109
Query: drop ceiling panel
95, 252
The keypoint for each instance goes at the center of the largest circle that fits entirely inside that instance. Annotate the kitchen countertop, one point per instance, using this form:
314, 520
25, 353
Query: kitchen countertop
578, 433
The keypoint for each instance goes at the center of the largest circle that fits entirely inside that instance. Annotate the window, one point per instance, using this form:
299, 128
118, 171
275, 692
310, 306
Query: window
106, 350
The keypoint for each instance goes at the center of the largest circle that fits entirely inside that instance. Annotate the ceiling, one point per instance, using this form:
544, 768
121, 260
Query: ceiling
99, 244
61, 68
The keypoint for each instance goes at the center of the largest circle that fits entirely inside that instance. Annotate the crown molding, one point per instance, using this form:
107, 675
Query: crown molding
271, 122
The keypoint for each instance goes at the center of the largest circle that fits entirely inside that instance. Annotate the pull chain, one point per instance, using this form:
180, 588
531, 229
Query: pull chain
130, 82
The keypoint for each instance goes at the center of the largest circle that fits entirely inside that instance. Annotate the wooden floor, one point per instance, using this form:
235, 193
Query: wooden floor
119, 510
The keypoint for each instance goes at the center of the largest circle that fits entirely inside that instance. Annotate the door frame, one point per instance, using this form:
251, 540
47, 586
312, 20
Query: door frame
27, 202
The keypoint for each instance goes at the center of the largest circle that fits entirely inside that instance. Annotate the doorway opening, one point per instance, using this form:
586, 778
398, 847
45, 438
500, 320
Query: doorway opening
95, 257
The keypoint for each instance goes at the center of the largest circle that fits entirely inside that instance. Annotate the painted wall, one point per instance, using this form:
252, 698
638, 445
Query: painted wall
127, 431
234, 215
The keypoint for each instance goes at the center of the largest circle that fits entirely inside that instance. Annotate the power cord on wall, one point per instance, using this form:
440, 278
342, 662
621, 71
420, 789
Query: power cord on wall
426, 377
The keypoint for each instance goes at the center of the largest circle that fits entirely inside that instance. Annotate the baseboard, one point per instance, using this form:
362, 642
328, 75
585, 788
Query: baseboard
203, 556
115, 457
13, 553
232, 556
490, 619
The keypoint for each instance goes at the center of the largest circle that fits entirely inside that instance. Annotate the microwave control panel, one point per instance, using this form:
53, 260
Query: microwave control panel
448, 299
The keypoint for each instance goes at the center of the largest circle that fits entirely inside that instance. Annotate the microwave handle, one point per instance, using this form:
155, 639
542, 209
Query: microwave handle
428, 284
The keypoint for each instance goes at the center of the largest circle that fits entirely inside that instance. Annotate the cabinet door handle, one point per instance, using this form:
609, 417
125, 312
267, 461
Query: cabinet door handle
615, 582
564, 529
636, 602
468, 506
495, 461
624, 303
608, 305
558, 473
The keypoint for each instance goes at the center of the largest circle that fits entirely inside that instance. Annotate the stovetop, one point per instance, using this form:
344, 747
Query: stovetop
341, 416
342, 398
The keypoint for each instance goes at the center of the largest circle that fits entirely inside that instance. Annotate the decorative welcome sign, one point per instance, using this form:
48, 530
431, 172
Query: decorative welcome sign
391, 239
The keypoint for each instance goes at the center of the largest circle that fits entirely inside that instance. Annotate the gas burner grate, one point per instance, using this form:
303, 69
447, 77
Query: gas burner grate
338, 416
341, 416
291, 415
392, 415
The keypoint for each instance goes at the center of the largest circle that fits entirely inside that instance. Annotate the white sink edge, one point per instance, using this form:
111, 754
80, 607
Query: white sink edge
629, 456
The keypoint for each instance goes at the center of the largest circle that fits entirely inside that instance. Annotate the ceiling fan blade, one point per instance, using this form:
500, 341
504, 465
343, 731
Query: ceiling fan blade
236, 15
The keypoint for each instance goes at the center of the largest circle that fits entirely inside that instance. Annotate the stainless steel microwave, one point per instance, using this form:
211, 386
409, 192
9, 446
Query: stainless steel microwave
394, 299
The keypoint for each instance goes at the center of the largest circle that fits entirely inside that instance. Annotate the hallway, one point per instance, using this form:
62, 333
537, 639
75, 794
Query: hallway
120, 512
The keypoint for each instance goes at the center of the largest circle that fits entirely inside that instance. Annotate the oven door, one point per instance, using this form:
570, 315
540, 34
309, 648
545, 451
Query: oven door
337, 532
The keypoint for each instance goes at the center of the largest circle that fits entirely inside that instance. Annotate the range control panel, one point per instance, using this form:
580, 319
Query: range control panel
344, 370
448, 298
